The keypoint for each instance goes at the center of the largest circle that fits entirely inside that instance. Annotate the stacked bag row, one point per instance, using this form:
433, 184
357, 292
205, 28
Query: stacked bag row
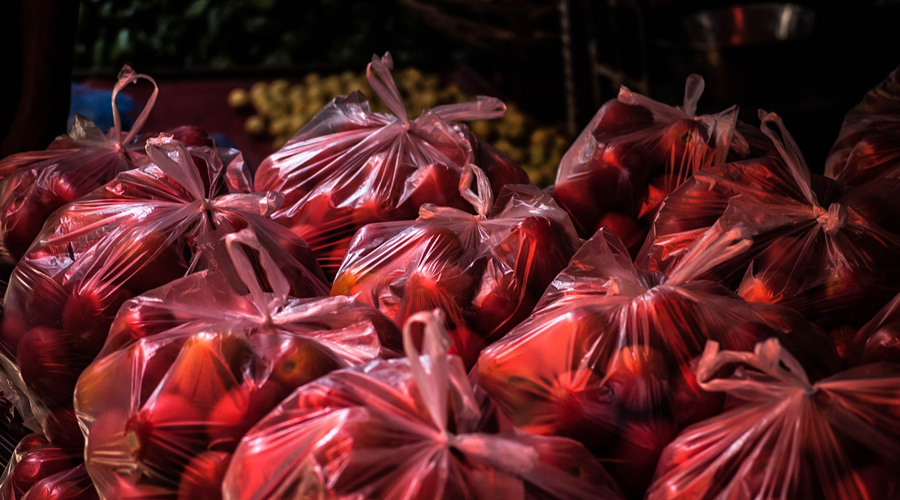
387, 309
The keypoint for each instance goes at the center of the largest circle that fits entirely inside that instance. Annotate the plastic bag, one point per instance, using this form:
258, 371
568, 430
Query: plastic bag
190, 367
35, 184
606, 357
42, 471
835, 439
868, 145
350, 167
879, 339
410, 428
486, 271
823, 248
633, 152
138, 232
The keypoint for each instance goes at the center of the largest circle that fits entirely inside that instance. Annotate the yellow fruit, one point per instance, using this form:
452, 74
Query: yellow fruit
255, 125
238, 98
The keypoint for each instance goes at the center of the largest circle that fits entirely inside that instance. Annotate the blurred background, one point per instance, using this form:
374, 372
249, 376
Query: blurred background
254, 71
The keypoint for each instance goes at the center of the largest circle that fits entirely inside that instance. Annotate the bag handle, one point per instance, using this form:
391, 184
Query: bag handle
482, 197
173, 158
126, 77
790, 153
244, 268
378, 72
482, 108
712, 249
430, 367
768, 357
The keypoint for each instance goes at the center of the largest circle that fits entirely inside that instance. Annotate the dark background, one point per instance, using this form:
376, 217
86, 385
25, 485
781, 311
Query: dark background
557, 60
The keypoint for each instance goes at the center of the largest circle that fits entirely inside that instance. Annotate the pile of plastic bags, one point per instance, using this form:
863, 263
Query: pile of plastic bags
386, 309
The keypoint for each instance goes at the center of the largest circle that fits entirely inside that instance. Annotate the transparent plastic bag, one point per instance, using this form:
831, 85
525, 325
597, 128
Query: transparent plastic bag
868, 145
35, 184
189, 368
606, 358
486, 271
138, 232
350, 166
412, 428
835, 439
42, 471
821, 247
633, 152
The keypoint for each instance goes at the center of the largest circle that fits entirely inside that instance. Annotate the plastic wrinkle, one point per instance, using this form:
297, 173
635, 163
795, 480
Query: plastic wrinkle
371, 431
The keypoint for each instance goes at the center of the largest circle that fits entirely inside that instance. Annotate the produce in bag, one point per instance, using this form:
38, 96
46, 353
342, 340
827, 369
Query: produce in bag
633, 152
412, 428
868, 145
486, 271
12, 426
138, 232
35, 184
350, 167
879, 339
42, 471
823, 248
607, 356
167, 401
835, 439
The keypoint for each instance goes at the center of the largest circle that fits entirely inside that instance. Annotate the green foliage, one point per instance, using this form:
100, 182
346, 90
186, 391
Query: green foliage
219, 33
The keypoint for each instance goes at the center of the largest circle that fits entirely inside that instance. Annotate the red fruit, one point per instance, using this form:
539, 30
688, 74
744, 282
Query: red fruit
467, 344
874, 156
151, 260
618, 118
138, 319
584, 410
61, 429
74, 484
626, 228
23, 224
437, 184
680, 146
636, 451
202, 478
39, 463
66, 187
191, 136
45, 299
495, 306
302, 360
868, 482
638, 377
242, 407
166, 434
30, 442
689, 402
575, 197
50, 364
155, 366
88, 313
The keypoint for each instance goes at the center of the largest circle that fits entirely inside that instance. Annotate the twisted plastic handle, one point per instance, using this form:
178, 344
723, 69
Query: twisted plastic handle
712, 249
173, 158
482, 198
483, 108
280, 285
790, 153
126, 77
430, 367
768, 357
378, 72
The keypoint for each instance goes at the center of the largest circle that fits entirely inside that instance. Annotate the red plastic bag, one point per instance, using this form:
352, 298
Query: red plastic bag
350, 167
868, 145
408, 429
486, 271
606, 357
35, 184
835, 439
823, 248
42, 471
633, 152
190, 367
138, 232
